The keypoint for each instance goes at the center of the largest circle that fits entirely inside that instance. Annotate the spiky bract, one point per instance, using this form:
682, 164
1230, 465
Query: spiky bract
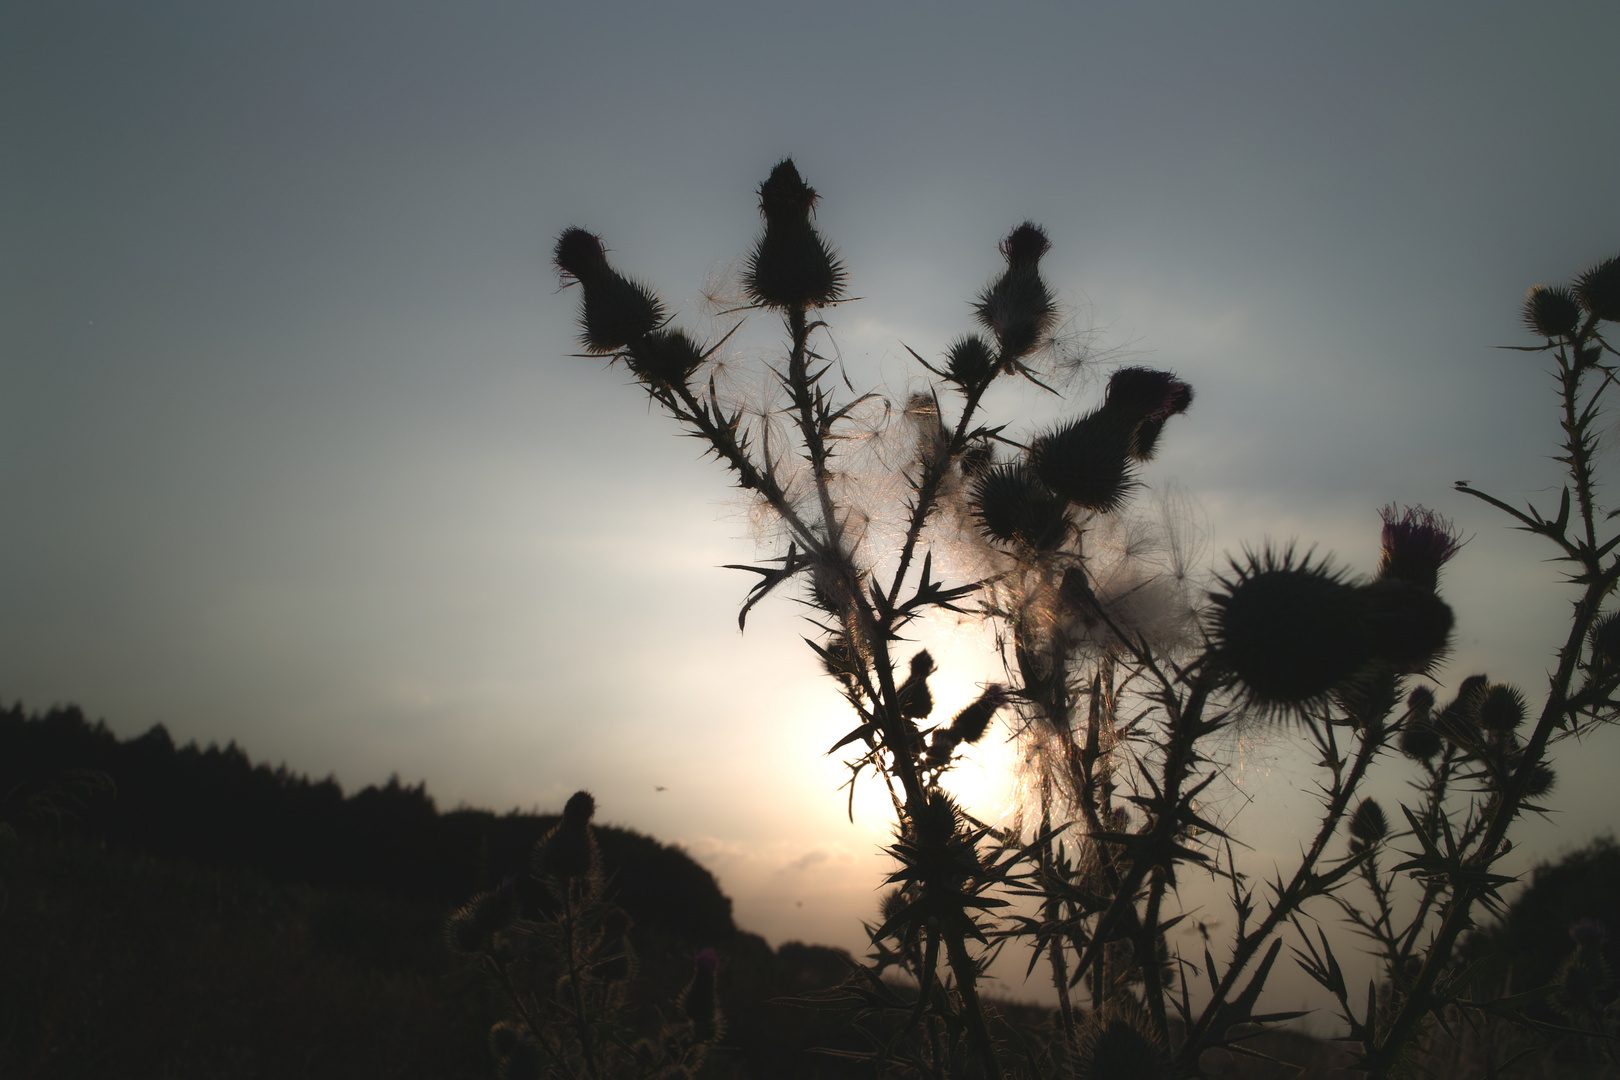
1407, 625
1016, 508
968, 362
1502, 708
665, 358
1551, 311
1287, 632
1088, 461
1598, 289
791, 265
616, 311
1121, 1048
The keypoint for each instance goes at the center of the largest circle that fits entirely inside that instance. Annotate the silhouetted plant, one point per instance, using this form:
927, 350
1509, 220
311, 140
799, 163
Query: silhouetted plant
1119, 673
559, 950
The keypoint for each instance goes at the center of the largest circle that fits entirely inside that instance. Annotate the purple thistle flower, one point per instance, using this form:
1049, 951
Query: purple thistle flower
1588, 933
707, 962
1417, 543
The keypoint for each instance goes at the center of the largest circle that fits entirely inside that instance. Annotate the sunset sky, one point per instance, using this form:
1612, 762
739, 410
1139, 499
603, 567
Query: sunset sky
293, 450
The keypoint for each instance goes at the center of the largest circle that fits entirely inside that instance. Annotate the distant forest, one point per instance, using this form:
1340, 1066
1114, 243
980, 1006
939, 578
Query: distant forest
214, 805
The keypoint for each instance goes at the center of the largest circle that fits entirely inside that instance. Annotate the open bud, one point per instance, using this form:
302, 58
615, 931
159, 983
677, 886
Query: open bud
616, 311
1088, 461
1146, 399
1017, 307
1287, 633
791, 266
1014, 507
1598, 289
1417, 543
1552, 311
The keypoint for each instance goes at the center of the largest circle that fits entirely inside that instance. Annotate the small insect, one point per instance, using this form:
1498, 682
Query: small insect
660, 787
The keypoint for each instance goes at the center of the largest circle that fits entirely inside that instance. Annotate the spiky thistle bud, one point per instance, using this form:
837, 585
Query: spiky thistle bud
665, 358
615, 311
968, 362
1420, 701
1017, 307
504, 1038
1122, 1048
1501, 709
1598, 289
569, 850
1541, 781
1088, 461
1551, 311
1368, 825
1605, 640
1458, 722
1407, 625
973, 721
791, 265
1419, 740
1417, 543
1015, 508
1287, 632
915, 699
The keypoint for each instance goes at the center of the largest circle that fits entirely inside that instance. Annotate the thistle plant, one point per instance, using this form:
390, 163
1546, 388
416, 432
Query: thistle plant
1119, 674
558, 953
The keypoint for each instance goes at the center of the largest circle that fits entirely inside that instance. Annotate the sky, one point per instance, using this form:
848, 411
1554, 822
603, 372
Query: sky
293, 449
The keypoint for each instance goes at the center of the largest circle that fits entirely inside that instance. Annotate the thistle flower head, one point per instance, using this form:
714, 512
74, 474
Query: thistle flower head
1417, 543
1146, 394
1025, 245
1598, 289
615, 311
569, 850
1286, 631
665, 358
1551, 311
1419, 740
791, 265
1588, 933
579, 253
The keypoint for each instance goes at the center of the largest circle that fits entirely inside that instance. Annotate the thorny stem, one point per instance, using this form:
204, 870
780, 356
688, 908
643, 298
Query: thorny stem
581, 1022
1301, 887
1503, 805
